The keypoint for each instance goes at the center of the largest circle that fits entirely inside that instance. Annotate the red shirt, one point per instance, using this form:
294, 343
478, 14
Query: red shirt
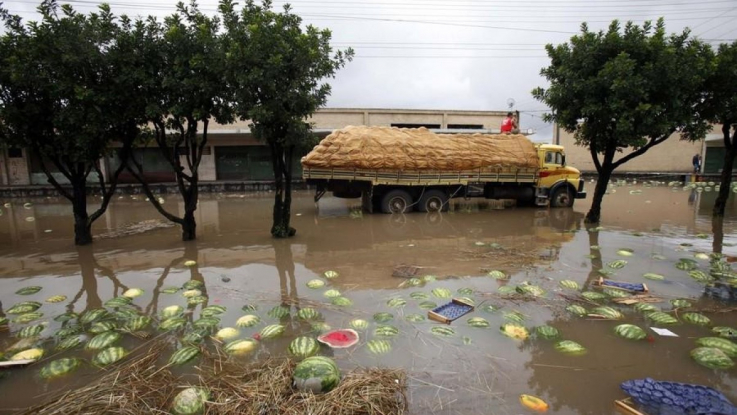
507, 125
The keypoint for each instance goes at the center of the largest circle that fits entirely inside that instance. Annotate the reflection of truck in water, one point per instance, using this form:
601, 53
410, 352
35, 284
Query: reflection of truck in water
395, 170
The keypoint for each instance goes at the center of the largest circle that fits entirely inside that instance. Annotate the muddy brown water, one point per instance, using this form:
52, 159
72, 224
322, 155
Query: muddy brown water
241, 264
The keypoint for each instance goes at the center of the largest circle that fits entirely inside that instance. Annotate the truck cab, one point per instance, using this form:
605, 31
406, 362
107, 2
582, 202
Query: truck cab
558, 184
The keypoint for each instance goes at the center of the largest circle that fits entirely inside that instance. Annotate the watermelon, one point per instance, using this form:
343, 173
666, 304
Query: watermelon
467, 300
118, 302
24, 307
645, 308
379, 346
316, 374
28, 290
190, 401
514, 316
339, 339
396, 302
700, 276
711, 357
69, 343
109, 356
696, 318
417, 295
680, 303
212, 310
308, 313
620, 263
615, 292
190, 263
359, 324
442, 293
529, 289
249, 320
227, 333
173, 323
103, 340
653, 276
171, 311
534, 403
547, 332
662, 318
383, 317
506, 290
184, 355
577, 310
206, 322
197, 299
386, 331
625, 252
314, 284
133, 293
593, 296
192, 293
102, 326
331, 293
170, 290
320, 327
479, 322
138, 323
630, 331
607, 313
303, 347
497, 275
443, 331
331, 274
56, 299
29, 354
342, 302
28, 317
728, 347
427, 305
93, 315
31, 331
465, 291
271, 331
241, 346
514, 331
60, 367
727, 332
414, 318
570, 284
570, 347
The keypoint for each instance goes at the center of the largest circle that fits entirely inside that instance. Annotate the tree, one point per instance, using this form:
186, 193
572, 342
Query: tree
720, 107
277, 70
188, 89
625, 90
68, 89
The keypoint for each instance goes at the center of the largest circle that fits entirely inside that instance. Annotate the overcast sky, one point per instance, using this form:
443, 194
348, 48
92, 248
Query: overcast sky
462, 54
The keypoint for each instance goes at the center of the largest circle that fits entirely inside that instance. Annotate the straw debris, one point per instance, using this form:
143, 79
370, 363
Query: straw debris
141, 387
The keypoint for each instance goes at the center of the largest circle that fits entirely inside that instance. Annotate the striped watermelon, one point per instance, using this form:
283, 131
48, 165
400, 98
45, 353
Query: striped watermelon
653, 276
332, 293
620, 263
24, 307
497, 275
507, 290
190, 401
359, 324
93, 315
29, 354
728, 347
212, 310
662, 318
331, 274
138, 323
133, 293
479, 322
607, 313
28, 290
630, 331
386, 331
195, 337
547, 332
696, 318
383, 317
60, 367
570, 347
570, 284
278, 312
515, 331
249, 320
308, 313
680, 303
530, 289
241, 346
101, 327
31, 331
727, 332
173, 323
118, 302
427, 305
184, 355
625, 252
316, 374
28, 317
429, 278
191, 293
442, 293
711, 357
69, 343
577, 310
418, 295
206, 322
192, 284
109, 356
197, 299
170, 290
645, 308
378, 346
396, 302
514, 316
303, 347
56, 299
227, 333
171, 311
443, 331
615, 292
700, 276
313, 284
465, 291
103, 340
593, 296
272, 331
414, 318
342, 302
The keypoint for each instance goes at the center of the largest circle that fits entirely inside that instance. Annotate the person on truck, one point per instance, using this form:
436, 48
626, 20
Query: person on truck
509, 124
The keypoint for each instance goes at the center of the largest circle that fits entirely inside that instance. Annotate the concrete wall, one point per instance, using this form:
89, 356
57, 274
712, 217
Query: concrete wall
207, 165
17, 169
673, 155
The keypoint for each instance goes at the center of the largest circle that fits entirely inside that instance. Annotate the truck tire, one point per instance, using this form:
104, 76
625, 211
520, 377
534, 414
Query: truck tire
433, 201
396, 201
562, 197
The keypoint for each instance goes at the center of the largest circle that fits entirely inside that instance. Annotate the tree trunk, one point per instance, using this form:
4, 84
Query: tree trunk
282, 195
82, 225
594, 214
717, 230
730, 151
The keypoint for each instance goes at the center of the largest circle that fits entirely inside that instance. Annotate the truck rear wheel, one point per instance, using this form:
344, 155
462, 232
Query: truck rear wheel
396, 201
562, 197
433, 201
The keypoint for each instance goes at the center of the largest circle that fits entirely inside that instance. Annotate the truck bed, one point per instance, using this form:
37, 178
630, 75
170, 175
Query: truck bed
423, 177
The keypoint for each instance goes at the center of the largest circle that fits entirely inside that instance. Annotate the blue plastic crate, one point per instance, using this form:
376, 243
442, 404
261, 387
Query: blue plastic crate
450, 311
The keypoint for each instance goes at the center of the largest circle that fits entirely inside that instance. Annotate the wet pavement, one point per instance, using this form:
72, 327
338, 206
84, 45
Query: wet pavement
473, 371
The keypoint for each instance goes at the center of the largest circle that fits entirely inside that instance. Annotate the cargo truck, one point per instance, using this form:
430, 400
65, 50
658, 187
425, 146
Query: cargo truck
398, 170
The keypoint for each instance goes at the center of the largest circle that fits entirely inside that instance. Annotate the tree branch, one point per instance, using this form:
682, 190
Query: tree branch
51, 178
595, 156
108, 194
149, 193
652, 143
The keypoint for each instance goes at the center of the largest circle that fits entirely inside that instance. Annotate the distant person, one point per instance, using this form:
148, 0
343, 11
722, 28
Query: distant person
696, 161
509, 124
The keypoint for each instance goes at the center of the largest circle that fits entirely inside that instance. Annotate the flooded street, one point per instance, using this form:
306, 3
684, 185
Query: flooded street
474, 370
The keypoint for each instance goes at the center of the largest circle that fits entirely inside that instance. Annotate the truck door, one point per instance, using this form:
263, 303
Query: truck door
552, 162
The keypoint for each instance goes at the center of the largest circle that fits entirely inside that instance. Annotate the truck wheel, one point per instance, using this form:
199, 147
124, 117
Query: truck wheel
562, 197
396, 201
433, 201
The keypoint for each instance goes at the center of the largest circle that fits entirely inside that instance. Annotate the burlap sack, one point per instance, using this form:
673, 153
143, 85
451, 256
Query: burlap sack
390, 148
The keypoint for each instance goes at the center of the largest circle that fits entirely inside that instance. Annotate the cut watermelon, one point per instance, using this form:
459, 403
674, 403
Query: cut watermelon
339, 339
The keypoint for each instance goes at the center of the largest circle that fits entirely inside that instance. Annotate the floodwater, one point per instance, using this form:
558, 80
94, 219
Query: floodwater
474, 371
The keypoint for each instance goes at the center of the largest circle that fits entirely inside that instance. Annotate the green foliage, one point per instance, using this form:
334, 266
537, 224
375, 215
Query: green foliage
68, 89
625, 89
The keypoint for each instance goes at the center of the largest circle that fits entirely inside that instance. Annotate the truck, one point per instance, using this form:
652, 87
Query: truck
395, 170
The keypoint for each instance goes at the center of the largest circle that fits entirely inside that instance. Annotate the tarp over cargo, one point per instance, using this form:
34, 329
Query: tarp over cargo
391, 148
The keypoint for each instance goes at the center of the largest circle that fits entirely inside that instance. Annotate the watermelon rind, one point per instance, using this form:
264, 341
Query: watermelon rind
351, 338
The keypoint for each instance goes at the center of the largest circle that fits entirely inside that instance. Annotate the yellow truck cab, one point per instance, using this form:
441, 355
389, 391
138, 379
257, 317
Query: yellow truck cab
557, 183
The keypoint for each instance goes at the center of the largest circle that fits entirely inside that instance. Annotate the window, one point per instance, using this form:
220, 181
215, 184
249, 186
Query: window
183, 151
553, 158
404, 125
15, 153
465, 127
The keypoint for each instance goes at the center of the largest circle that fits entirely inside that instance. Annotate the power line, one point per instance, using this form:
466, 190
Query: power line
504, 4
445, 57
484, 19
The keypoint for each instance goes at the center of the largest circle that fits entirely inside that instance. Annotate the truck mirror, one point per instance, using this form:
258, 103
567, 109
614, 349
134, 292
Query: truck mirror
564, 160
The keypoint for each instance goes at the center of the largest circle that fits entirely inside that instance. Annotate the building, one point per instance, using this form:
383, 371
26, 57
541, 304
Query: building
233, 154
